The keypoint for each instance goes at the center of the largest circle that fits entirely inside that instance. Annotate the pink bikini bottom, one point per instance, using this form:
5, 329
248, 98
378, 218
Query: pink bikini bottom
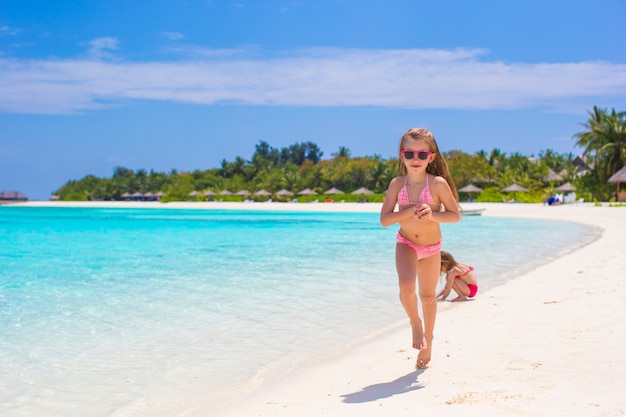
421, 251
473, 290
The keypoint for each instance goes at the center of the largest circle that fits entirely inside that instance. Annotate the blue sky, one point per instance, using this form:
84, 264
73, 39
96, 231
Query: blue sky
86, 86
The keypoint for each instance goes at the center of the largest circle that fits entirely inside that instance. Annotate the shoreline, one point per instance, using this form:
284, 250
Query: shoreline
548, 342
207, 205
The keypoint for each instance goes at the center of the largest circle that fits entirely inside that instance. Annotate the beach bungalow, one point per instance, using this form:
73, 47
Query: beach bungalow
553, 176
12, 196
619, 178
581, 166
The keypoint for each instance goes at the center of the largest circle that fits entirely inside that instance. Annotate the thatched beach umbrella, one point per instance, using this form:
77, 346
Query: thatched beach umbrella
194, 193
126, 195
262, 192
515, 188
283, 192
334, 191
567, 187
470, 188
242, 192
137, 196
307, 191
208, 193
362, 190
225, 192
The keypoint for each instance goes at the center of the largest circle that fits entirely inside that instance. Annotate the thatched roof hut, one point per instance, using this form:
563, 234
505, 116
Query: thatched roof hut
13, 196
619, 178
553, 176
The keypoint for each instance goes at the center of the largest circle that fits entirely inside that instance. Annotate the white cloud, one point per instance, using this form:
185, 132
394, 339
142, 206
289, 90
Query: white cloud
173, 36
100, 48
415, 78
7, 30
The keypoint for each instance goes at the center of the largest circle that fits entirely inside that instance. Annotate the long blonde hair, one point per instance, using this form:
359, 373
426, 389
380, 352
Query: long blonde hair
438, 167
447, 261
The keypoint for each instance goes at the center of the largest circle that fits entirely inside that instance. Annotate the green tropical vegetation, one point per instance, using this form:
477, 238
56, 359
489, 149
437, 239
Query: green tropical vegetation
301, 166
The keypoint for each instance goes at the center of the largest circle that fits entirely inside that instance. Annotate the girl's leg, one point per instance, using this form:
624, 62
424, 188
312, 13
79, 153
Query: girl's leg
461, 288
428, 275
406, 265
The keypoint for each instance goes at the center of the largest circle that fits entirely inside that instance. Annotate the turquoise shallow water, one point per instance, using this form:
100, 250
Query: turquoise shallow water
107, 312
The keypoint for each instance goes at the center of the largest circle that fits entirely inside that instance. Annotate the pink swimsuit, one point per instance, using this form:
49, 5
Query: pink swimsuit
425, 198
473, 289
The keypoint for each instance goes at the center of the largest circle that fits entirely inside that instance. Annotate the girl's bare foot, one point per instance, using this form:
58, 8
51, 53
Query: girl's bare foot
419, 341
422, 363
423, 358
459, 298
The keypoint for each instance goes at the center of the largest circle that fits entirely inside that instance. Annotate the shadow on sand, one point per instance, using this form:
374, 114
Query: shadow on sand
375, 392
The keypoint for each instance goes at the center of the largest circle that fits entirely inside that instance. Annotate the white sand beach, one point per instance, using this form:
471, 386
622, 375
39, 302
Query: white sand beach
549, 343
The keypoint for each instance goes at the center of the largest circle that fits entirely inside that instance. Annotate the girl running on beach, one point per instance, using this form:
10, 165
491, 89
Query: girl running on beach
459, 277
426, 196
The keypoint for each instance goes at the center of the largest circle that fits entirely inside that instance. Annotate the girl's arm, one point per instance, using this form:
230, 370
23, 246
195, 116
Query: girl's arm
443, 294
441, 188
387, 214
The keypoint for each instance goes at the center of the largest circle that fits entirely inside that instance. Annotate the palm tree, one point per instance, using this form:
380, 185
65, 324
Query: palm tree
382, 175
342, 153
604, 141
588, 140
613, 152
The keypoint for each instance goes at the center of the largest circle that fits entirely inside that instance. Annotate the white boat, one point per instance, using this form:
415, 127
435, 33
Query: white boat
474, 212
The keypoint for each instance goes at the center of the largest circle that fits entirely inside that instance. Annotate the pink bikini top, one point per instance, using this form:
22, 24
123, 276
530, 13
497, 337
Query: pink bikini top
471, 268
425, 195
